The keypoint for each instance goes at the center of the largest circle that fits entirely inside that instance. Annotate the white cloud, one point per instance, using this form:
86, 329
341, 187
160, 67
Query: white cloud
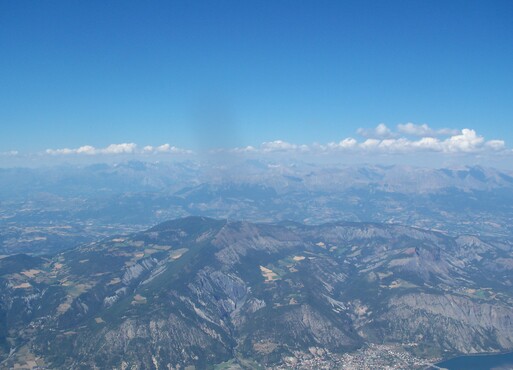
415, 130
411, 129
275, 146
86, 149
496, 144
346, 144
381, 131
467, 141
116, 149
428, 143
165, 148
246, 149
63, 151
463, 141
382, 140
395, 145
124, 148
282, 146
447, 132
176, 150
370, 144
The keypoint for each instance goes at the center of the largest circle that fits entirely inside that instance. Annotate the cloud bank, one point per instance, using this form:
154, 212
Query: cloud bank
424, 130
381, 131
123, 148
408, 138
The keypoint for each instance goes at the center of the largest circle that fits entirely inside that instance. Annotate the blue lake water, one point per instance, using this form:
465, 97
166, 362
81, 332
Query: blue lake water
482, 362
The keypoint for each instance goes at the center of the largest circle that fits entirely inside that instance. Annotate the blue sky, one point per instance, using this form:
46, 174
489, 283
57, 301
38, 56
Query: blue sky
207, 74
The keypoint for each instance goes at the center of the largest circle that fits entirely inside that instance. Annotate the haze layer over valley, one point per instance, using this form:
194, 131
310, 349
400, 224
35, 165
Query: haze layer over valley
49, 209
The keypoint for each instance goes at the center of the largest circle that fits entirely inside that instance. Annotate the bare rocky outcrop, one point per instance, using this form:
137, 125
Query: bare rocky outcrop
461, 324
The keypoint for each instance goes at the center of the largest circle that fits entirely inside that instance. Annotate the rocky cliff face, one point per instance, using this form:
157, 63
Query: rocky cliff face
451, 322
200, 292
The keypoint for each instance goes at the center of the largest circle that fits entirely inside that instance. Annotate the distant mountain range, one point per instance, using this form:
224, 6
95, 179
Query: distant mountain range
134, 176
225, 294
49, 209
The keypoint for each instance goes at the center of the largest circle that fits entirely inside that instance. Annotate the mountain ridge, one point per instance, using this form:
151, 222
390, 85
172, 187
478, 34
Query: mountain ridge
199, 291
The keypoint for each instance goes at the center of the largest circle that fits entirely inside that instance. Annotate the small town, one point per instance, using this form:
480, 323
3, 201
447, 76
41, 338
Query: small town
372, 356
